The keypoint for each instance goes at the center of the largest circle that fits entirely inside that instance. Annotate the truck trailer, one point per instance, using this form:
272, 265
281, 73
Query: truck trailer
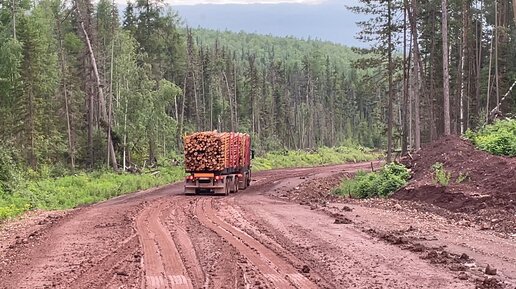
217, 163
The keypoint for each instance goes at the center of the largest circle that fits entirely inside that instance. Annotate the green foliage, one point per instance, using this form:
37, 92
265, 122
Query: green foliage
375, 184
12, 210
10, 175
498, 138
321, 156
441, 176
81, 188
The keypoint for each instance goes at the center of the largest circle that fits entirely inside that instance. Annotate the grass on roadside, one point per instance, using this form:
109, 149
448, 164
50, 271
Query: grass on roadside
382, 183
82, 188
321, 156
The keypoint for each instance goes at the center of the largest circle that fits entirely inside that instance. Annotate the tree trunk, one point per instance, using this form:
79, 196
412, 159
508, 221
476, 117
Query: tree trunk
14, 19
514, 10
446, 73
32, 128
418, 69
497, 75
124, 158
389, 112
110, 105
181, 121
474, 117
71, 149
230, 98
412, 89
489, 81
465, 26
236, 98
89, 106
404, 140
196, 100
431, 100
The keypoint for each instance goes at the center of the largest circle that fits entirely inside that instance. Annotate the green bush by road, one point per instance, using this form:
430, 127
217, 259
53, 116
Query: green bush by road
498, 138
375, 184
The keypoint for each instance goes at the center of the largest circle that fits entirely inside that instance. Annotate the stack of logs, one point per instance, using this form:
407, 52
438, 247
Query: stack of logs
213, 151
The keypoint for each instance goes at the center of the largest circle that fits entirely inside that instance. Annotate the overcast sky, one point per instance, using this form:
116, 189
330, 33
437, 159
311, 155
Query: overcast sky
320, 19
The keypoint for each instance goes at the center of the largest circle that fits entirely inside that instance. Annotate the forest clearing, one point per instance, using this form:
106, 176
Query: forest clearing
139, 152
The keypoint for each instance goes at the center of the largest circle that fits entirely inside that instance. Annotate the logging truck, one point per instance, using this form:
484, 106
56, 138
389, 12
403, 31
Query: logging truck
217, 163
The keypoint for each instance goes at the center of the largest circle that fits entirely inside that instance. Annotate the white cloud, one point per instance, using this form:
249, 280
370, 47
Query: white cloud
195, 2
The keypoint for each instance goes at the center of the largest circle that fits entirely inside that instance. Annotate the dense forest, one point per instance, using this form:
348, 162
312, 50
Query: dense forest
81, 86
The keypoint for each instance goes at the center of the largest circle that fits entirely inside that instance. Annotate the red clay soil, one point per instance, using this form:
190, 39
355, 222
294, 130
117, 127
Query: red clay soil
317, 189
487, 195
256, 238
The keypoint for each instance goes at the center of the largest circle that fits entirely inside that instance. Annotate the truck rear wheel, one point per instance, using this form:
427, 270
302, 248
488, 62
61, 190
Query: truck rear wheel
234, 184
227, 188
246, 181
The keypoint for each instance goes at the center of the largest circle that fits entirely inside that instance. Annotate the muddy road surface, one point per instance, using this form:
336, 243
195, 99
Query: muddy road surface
257, 238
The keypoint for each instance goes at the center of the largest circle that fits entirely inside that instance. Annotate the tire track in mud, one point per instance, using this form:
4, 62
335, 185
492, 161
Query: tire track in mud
224, 267
232, 212
270, 265
108, 267
177, 218
162, 262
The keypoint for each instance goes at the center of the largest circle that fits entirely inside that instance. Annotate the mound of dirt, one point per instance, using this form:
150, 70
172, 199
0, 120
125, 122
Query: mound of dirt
487, 192
315, 191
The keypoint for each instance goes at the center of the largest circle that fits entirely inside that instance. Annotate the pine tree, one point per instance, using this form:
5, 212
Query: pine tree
383, 31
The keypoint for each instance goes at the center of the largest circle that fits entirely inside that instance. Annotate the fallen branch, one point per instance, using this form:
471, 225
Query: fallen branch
501, 100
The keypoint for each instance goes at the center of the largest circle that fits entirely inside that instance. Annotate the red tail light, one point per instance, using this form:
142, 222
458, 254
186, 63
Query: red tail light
190, 178
219, 178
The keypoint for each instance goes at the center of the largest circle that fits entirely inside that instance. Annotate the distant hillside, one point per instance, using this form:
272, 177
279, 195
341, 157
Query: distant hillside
288, 49
329, 21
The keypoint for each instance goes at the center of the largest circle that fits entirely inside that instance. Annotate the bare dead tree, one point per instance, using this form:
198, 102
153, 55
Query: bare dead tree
102, 101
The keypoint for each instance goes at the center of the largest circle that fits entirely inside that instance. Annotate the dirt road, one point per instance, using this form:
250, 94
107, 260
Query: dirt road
258, 238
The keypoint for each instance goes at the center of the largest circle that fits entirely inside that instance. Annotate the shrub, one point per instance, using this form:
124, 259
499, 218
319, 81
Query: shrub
375, 184
10, 175
441, 176
498, 138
